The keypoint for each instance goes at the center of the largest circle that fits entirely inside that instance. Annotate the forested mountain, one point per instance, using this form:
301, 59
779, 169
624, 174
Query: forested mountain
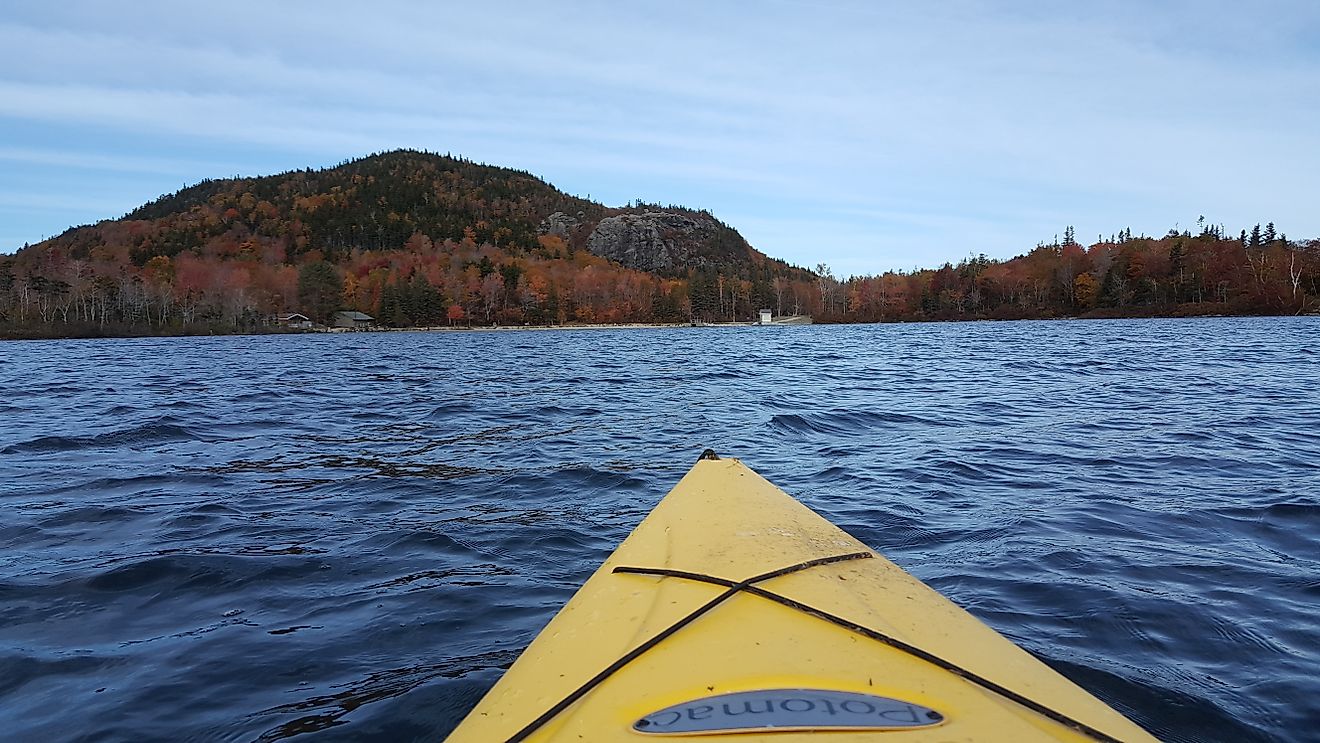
415, 238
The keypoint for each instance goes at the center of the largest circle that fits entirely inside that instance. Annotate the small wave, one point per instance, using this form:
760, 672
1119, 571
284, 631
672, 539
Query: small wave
138, 574
17, 669
99, 515
151, 433
175, 482
219, 569
442, 412
1235, 634
1172, 714
845, 422
1295, 513
324, 711
465, 575
421, 540
541, 414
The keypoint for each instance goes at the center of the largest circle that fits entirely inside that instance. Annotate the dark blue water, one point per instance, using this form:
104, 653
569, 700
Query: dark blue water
350, 536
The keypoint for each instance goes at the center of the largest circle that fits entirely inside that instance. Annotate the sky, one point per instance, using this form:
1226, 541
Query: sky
868, 136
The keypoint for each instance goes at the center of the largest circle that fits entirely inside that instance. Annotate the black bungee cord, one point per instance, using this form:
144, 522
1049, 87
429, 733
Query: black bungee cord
748, 586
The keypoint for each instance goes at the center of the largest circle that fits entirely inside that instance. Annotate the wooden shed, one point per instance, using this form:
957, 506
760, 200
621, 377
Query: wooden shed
352, 319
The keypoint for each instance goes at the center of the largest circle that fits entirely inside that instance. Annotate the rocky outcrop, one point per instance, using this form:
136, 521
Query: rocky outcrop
560, 224
663, 242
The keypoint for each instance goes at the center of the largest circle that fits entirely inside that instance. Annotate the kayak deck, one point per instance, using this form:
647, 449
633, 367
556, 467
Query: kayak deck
849, 626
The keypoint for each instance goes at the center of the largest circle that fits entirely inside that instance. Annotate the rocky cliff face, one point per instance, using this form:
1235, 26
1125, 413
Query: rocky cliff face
666, 242
560, 224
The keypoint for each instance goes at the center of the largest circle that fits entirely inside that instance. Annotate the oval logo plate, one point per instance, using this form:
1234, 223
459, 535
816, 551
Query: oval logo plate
787, 709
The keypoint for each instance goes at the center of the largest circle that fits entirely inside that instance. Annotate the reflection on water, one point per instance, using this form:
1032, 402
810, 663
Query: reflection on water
350, 537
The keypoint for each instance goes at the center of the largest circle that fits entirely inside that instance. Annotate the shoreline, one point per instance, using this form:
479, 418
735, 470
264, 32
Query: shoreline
585, 326
204, 332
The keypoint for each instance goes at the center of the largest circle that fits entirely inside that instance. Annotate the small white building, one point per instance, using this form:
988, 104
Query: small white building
766, 316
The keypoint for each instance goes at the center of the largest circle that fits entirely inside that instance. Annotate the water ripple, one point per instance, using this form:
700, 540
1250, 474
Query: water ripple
350, 537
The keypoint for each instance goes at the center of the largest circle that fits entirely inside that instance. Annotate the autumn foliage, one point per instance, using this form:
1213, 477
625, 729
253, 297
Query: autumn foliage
1178, 274
417, 239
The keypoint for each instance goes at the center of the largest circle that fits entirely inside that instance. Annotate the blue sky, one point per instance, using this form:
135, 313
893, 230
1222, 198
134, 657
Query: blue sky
865, 135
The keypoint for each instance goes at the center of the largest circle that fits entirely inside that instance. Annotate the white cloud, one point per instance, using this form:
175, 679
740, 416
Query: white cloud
908, 125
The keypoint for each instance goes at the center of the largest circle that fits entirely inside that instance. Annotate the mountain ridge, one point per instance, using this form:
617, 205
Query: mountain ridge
438, 195
407, 218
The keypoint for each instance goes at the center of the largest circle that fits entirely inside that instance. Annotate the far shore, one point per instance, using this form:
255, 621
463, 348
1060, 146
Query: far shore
194, 331
570, 326
471, 328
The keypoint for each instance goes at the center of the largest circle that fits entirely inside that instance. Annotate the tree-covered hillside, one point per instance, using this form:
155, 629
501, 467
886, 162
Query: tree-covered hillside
413, 237
374, 203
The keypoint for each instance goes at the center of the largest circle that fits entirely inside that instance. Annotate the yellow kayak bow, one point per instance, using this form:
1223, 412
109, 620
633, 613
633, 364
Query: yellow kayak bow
734, 610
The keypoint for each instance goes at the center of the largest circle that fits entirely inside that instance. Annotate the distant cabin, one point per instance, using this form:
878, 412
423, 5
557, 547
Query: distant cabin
766, 316
355, 320
293, 320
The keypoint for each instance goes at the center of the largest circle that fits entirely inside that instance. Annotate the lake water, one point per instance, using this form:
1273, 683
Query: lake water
349, 537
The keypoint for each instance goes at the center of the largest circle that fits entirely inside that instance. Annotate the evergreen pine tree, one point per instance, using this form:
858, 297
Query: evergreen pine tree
388, 305
663, 306
424, 303
702, 291
1176, 266
1108, 294
407, 294
320, 290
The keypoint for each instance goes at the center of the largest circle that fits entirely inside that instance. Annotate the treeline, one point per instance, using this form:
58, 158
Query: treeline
430, 282
1256, 272
242, 288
